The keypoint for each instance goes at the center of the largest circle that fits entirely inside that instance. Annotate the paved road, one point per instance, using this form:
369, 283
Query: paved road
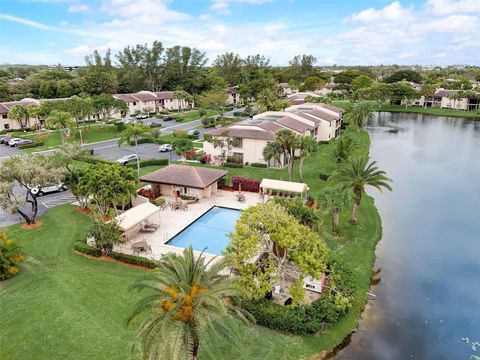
7, 151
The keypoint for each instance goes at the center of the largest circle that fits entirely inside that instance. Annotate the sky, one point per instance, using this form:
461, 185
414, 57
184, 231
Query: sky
342, 32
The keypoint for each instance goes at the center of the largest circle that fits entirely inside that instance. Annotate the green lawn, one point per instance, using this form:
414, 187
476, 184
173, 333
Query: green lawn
63, 305
52, 139
193, 115
418, 110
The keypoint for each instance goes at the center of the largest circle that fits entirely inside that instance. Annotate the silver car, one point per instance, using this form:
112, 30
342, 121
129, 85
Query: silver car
124, 160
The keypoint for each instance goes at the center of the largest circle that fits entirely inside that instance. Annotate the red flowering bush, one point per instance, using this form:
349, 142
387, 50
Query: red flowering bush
252, 185
189, 155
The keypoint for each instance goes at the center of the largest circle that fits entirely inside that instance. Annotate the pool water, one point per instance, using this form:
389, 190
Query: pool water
209, 231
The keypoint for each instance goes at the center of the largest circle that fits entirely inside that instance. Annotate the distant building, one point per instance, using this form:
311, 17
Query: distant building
286, 89
233, 96
448, 99
148, 101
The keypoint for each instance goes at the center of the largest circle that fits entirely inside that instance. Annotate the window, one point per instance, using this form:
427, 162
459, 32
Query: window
4, 116
6, 126
134, 103
237, 142
238, 157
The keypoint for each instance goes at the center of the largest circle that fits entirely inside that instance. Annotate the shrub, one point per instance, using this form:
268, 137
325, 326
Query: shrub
155, 125
92, 160
190, 154
159, 201
136, 260
83, 248
180, 134
120, 126
323, 177
225, 181
31, 145
207, 137
260, 165
88, 152
11, 256
252, 185
233, 165
205, 159
149, 162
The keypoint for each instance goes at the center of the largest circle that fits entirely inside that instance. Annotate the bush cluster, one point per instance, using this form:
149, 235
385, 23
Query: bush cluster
92, 160
136, 260
149, 162
83, 248
248, 184
233, 165
32, 145
260, 165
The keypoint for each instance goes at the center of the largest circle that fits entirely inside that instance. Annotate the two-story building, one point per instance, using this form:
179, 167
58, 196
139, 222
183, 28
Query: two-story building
233, 96
148, 101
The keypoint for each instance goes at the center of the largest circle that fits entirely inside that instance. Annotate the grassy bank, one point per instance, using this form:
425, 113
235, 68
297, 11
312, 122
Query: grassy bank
63, 305
475, 115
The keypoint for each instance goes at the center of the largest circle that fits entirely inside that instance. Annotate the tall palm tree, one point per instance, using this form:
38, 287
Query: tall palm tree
360, 113
334, 199
274, 151
289, 142
191, 305
306, 146
19, 113
62, 121
358, 173
266, 99
134, 133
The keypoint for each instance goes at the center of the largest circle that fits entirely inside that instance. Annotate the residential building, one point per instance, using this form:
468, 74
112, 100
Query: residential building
148, 101
285, 89
320, 121
233, 96
447, 99
6, 123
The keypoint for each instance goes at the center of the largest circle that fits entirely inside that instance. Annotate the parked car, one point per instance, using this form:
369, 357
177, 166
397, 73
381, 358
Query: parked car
194, 132
14, 142
40, 191
168, 118
124, 160
165, 147
141, 116
25, 142
4, 139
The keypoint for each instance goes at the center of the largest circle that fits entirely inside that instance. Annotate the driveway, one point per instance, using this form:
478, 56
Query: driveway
7, 151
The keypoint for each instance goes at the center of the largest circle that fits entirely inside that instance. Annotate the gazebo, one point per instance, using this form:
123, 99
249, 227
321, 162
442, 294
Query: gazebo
283, 188
130, 222
195, 181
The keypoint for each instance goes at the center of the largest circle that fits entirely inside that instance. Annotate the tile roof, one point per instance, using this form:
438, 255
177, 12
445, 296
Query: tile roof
183, 175
145, 96
164, 95
444, 92
306, 116
323, 115
332, 108
270, 126
245, 132
295, 124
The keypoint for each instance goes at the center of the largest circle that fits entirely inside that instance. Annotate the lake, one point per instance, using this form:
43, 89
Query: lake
427, 284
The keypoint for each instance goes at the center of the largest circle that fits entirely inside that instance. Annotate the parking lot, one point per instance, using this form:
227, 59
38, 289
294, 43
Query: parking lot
145, 151
7, 151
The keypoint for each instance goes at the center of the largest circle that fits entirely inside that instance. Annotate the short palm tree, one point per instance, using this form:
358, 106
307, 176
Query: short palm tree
306, 145
334, 199
19, 113
360, 113
190, 305
266, 99
344, 147
134, 133
289, 142
273, 151
62, 121
358, 173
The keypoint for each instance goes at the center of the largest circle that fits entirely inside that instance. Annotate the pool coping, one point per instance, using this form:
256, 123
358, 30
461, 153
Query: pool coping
191, 223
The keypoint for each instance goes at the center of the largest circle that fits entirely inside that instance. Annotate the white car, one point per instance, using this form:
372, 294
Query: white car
165, 147
124, 160
40, 191
14, 141
142, 116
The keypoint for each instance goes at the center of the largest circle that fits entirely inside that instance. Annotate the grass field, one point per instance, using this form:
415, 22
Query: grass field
193, 115
52, 139
65, 306
475, 115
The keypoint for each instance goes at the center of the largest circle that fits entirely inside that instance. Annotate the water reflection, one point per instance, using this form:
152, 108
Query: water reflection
428, 291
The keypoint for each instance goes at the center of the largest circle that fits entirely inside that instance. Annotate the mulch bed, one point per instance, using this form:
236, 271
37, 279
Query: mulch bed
37, 224
90, 212
109, 259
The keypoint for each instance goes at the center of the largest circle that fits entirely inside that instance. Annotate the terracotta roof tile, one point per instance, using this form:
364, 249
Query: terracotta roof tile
183, 175
295, 124
245, 132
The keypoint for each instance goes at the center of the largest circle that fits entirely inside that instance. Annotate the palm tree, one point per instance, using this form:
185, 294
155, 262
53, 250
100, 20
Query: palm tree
343, 147
19, 113
357, 174
190, 305
266, 99
306, 146
134, 133
289, 142
60, 120
334, 199
359, 114
274, 151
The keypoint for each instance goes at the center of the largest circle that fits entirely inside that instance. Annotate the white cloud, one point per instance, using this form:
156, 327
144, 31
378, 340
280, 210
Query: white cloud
223, 6
31, 23
444, 7
78, 8
393, 12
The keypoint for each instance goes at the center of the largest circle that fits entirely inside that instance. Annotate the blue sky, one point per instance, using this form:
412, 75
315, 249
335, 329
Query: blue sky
345, 32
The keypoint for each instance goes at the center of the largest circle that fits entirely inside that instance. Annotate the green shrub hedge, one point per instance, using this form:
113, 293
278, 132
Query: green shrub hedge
159, 201
136, 260
83, 248
92, 160
32, 145
149, 162
260, 165
233, 165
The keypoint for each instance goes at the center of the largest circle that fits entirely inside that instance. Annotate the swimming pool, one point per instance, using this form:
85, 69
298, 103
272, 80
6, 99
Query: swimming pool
210, 230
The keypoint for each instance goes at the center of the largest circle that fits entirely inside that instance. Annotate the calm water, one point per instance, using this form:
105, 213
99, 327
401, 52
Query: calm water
210, 231
428, 295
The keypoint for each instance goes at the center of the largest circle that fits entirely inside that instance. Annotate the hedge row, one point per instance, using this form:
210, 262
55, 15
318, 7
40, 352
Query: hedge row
149, 162
233, 165
252, 185
136, 260
148, 141
82, 247
32, 145
260, 165
92, 160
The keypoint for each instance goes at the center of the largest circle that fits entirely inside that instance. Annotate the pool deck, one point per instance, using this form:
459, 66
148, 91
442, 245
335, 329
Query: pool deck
172, 222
